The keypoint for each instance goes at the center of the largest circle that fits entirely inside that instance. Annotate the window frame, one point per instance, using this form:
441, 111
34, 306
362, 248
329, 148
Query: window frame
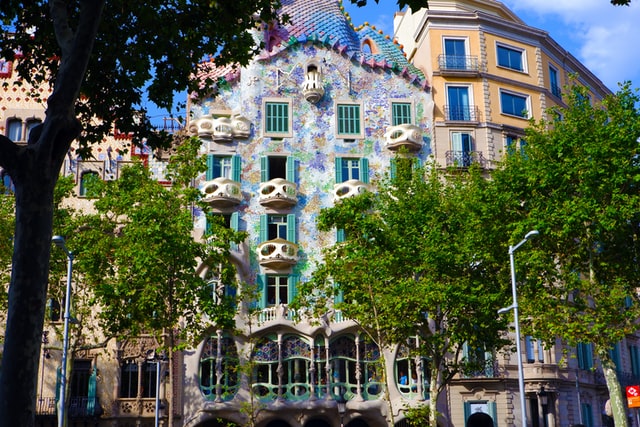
523, 57
454, 64
405, 104
554, 82
288, 133
360, 120
525, 97
363, 167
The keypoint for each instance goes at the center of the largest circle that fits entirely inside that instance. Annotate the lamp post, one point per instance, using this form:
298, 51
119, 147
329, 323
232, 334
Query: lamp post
516, 321
59, 242
153, 357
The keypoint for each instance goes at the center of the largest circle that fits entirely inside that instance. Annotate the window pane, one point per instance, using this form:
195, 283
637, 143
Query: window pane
350, 169
401, 113
349, 119
513, 104
277, 117
510, 58
14, 130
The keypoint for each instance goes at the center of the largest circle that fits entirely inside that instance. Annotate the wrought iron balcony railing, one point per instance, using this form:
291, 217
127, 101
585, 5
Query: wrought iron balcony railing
465, 113
458, 63
464, 159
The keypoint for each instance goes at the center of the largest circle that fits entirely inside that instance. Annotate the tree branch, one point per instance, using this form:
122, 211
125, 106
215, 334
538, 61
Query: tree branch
61, 28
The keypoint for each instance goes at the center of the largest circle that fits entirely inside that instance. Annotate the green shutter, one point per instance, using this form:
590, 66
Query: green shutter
364, 170
493, 412
91, 401
340, 235
393, 168
262, 290
264, 169
292, 286
291, 228
235, 221
210, 166
264, 228
338, 163
291, 169
236, 167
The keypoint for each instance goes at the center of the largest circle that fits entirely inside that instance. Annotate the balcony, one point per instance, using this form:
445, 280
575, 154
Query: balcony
464, 113
221, 129
278, 193
349, 188
277, 254
46, 406
405, 135
461, 65
556, 91
464, 159
277, 313
221, 193
134, 407
312, 89
84, 407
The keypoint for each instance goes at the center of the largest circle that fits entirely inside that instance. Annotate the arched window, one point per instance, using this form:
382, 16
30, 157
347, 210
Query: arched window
343, 360
411, 373
31, 123
14, 130
296, 358
219, 368
371, 367
265, 372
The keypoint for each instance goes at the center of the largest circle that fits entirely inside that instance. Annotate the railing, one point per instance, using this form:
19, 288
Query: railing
46, 406
556, 90
458, 63
279, 312
80, 407
464, 159
465, 113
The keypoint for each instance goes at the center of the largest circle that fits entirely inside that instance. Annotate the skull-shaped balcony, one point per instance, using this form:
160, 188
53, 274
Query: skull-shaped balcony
277, 254
221, 129
221, 193
405, 135
350, 188
312, 89
278, 193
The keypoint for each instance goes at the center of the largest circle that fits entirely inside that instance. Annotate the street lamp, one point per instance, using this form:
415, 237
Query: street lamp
516, 321
59, 242
153, 357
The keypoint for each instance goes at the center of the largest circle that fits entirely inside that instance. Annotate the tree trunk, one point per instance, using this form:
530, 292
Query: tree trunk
28, 287
618, 405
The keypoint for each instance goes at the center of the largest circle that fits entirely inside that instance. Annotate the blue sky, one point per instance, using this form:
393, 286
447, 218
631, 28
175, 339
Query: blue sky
605, 38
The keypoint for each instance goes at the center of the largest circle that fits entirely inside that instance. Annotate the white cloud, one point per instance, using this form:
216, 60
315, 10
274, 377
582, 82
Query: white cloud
602, 36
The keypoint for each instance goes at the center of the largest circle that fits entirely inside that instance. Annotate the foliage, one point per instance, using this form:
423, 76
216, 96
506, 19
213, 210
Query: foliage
139, 255
577, 182
419, 259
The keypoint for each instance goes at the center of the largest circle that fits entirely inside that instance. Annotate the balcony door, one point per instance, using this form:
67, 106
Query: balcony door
455, 52
459, 105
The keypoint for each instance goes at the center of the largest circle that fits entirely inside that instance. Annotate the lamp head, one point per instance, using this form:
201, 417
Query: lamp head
531, 234
58, 241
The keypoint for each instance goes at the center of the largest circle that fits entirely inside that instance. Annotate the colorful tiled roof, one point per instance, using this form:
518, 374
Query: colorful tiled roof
324, 22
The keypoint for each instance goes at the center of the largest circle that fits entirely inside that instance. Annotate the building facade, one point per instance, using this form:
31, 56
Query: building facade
319, 116
490, 73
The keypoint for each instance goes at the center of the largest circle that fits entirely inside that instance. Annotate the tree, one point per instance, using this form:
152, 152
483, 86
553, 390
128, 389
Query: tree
138, 256
577, 182
99, 60
417, 265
